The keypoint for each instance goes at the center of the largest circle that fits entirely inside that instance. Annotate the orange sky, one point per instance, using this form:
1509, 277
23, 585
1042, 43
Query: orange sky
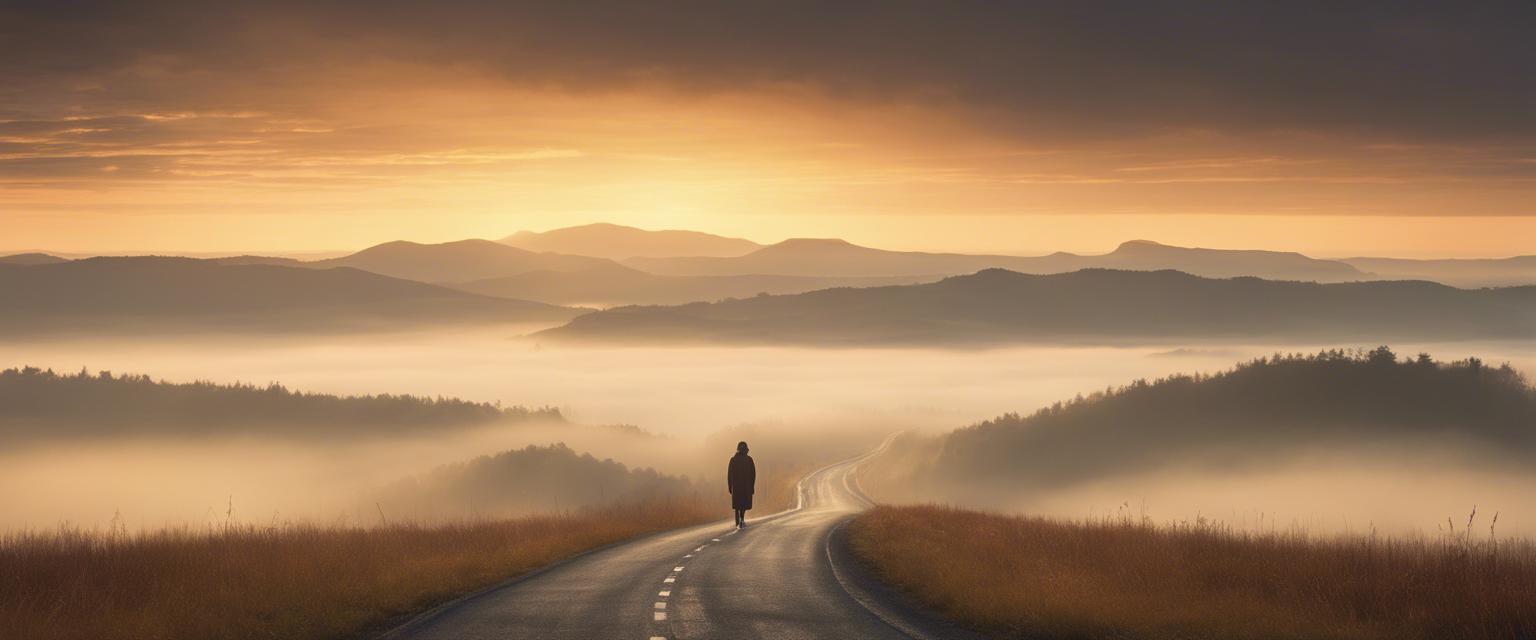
282, 136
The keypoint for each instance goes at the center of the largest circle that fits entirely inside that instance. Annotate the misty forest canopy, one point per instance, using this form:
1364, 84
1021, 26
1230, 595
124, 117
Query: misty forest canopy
41, 404
530, 479
1254, 414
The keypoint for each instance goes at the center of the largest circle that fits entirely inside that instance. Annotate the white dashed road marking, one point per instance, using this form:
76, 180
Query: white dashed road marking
659, 614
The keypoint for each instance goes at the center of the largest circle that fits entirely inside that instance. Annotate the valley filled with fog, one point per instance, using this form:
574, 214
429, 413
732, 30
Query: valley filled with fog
679, 410
1023, 320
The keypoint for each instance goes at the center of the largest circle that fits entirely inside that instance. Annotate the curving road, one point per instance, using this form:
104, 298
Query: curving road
782, 576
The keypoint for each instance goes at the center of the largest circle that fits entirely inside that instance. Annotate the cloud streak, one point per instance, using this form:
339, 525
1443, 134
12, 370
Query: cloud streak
592, 109
1411, 70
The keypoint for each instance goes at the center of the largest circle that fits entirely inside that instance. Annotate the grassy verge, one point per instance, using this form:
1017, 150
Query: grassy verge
294, 581
1038, 578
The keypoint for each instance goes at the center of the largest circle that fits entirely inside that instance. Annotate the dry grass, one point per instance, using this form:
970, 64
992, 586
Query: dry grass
776, 488
293, 581
1038, 578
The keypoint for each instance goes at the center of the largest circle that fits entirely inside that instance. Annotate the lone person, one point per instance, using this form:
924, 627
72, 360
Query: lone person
740, 478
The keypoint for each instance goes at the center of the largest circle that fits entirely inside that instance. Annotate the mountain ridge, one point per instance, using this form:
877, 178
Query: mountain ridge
997, 306
176, 294
617, 242
819, 256
459, 260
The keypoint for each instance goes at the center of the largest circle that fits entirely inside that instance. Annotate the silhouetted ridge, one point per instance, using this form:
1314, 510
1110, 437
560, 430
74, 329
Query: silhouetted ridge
613, 285
812, 256
31, 259
812, 244
1092, 305
457, 261
178, 294
1461, 272
619, 242
250, 259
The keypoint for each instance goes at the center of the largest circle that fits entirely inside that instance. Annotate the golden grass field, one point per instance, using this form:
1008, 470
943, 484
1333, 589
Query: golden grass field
1019, 577
293, 581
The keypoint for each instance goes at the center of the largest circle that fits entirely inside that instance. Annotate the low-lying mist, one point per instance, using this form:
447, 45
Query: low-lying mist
1407, 491
1412, 493
796, 406
1326, 442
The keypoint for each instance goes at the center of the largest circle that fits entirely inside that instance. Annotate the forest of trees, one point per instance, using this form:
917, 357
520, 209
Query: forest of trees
1253, 414
40, 404
526, 480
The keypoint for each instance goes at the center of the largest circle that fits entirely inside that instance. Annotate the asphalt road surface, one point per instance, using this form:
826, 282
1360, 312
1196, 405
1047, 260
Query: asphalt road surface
783, 576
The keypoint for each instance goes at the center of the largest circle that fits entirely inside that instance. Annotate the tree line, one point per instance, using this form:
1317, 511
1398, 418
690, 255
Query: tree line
40, 403
527, 480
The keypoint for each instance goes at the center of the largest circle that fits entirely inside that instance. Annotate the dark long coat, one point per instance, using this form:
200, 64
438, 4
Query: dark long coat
740, 478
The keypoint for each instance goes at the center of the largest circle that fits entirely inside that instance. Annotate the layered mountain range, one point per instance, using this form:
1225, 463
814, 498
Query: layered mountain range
542, 277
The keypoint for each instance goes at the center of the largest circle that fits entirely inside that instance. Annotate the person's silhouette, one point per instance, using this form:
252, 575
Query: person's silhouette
740, 477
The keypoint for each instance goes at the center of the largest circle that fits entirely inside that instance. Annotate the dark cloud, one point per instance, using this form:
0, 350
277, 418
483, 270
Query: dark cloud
1394, 70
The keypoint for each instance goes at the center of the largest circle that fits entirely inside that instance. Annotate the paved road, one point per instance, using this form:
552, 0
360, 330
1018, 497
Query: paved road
780, 577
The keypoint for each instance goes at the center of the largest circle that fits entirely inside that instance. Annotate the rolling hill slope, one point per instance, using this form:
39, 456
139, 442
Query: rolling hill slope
459, 261
1094, 305
618, 285
177, 294
617, 242
830, 257
1253, 415
1463, 272
31, 258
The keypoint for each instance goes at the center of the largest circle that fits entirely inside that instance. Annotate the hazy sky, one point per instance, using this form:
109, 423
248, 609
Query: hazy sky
1334, 128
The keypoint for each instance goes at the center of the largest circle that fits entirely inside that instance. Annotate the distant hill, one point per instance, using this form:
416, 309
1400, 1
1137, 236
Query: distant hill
618, 242
1257, 414
617, 285
522, 480
42, 405
267, 260
1144, 255
1465, 272
152, 294
31, 258
831, 257
821, 257
1093, 305
459, 261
